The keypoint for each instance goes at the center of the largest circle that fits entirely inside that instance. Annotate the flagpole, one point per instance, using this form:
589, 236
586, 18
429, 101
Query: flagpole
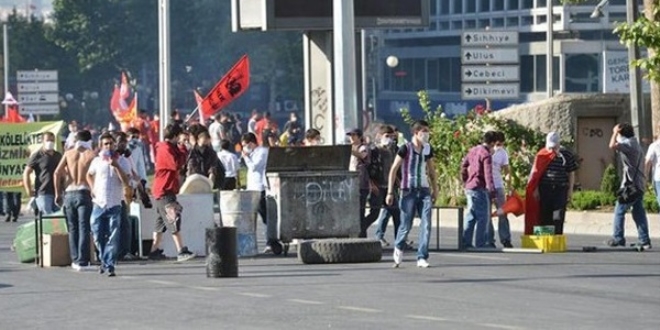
192, 113
5, 55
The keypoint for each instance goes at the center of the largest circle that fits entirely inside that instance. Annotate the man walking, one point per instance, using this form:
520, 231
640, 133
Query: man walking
255, 158
500, 174
387, 150
418, 191
107, 175
477, 175
43, 164
623, 141
77, 203
165, 187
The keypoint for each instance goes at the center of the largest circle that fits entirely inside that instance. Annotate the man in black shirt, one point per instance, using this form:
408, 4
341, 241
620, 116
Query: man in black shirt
43, 163
556, 186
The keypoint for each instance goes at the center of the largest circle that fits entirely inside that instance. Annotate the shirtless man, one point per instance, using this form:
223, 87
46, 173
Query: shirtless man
77, 203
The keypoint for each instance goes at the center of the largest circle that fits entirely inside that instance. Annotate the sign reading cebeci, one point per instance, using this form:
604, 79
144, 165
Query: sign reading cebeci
476, 73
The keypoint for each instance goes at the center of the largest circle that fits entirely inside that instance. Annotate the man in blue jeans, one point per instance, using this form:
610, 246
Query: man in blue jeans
623, 141
477, 175
418, 191
107, 175
77, 203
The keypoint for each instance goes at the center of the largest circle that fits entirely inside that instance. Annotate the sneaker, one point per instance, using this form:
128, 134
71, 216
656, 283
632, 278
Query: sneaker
507, 244
185, 255
267, 249
156, 255
86, 268
384, 243
613, 242
76, 267
397, 256
643, 246
111, 272
422, 263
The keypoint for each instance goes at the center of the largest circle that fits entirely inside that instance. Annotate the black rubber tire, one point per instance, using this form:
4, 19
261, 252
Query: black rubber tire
276, 247
333, 251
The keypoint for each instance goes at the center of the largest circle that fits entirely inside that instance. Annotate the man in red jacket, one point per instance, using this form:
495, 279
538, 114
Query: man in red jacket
165, 187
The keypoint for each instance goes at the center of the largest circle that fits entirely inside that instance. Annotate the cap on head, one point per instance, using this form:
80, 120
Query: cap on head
355, 131
552, 140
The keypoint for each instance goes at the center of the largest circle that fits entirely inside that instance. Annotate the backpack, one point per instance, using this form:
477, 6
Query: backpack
375, 166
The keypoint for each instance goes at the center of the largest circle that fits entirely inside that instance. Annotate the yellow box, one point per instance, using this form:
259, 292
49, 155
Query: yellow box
546, 243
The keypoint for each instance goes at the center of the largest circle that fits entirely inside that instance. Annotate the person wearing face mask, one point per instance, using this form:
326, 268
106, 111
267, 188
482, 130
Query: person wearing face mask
255, 158
550, 186
77, 203
419, 191
203, 160
477, 175
387, 149
623, 141
43, 164
500, 174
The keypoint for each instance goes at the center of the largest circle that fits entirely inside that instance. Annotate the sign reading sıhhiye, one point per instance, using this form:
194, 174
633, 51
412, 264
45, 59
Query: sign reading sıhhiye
616, 67
38, 92
489, 38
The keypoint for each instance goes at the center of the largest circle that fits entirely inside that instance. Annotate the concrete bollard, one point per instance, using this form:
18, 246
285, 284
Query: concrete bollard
221, 254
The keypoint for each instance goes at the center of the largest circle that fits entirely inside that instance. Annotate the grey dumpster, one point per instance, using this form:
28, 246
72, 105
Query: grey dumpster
311, 194
237, 209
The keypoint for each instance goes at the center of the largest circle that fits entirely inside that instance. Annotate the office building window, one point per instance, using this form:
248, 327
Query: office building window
582, 73
498, 22
470, 24
512, 21
541, 77
457, 25
419, 74
484, 6
433, 7
449, 74
433, 74
526, 4
527, 73
512, 5
444, 7
498, 5
483, 23
526, 20
471, 6
458, 6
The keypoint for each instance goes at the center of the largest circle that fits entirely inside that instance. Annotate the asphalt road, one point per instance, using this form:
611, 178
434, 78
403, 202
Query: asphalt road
606, 289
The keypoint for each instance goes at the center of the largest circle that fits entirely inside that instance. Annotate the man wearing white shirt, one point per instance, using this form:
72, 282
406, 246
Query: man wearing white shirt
215, 130
230, 162
500, 159
255, 158
107, 176
652, 165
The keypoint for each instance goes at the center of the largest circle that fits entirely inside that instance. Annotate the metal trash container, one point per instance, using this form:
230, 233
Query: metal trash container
312, 194
238, 209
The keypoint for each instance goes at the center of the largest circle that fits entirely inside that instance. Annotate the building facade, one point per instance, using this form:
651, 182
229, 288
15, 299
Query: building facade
587, 56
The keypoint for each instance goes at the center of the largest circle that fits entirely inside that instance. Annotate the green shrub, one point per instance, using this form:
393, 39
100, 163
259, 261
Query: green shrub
650, 202
452, 138
610, 181
586, 200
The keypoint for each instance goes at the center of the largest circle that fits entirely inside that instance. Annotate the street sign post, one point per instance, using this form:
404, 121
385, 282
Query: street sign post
38, 92
497, 91
490, 66
489, 38
489, 55
495, 73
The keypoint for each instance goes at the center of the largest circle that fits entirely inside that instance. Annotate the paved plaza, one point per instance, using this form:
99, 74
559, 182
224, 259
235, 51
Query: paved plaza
606, 289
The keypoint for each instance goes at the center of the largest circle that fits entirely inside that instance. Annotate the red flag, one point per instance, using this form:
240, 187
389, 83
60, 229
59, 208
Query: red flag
12, 115
200, 100
114, 101
229, 88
